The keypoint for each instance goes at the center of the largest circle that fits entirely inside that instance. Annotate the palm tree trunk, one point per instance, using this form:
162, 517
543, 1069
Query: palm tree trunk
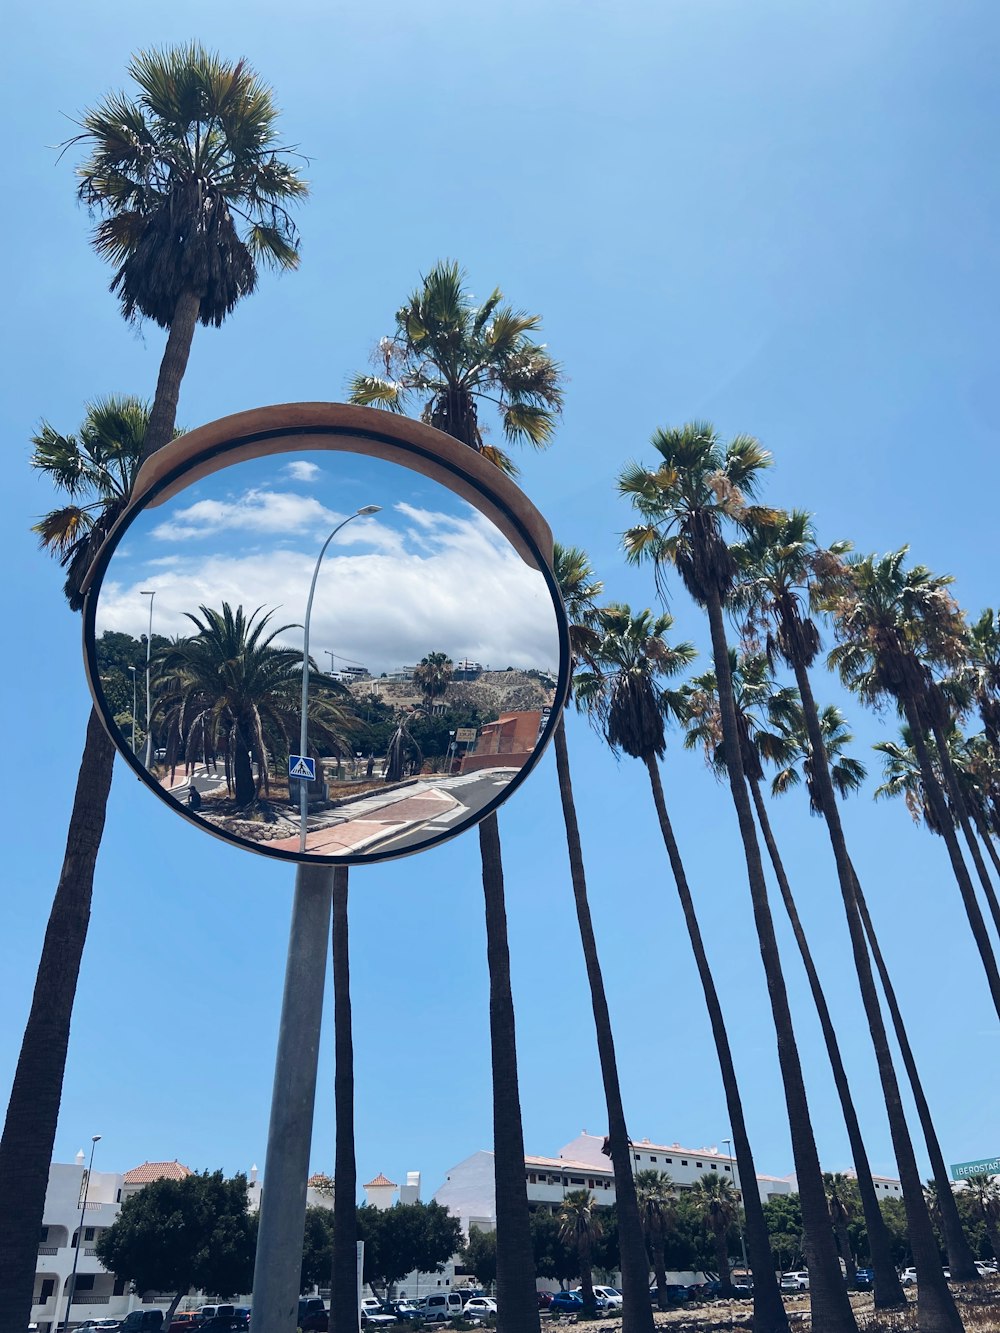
30, 1127
344, 1288
586, 1276
961, 1260
987, 841
163, 416
829, 1303
937, 1310
844, 1245
637, 1313
769, 1314
962, 811
246, 789
942, 817
889, 1292
659, 1268
722, 1260
515, 1255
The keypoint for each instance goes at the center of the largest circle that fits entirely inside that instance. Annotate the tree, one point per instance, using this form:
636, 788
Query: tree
626, 698
893, 627
784, 1227
317, 1246
191, 185
720, 1205
95, 470
771, 726
455, 356
841, 1204
479, 1255
229, 690
984, 1189
656, 1207
579, 589
780, 564
697, 486
432, 675
555, 1257
182, 1235
408, 1236
580, 1224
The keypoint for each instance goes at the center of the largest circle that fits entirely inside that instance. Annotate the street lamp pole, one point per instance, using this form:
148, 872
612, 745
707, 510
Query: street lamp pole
132, 669
149, 647
364, 511
735, 1175
95, 1140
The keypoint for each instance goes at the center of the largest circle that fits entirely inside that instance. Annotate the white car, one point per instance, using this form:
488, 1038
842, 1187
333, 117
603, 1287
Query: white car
797, 1281
612, 1297
986, 1269
908, 1276
479, 1307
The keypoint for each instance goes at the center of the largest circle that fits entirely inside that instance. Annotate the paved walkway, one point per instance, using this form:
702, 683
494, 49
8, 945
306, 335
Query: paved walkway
372, 819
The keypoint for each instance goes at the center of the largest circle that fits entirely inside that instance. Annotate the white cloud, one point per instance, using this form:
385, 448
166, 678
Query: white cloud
300, 470
458, 587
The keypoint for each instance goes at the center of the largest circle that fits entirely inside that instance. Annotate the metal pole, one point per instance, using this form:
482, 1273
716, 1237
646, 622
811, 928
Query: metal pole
278, 1267
735, 1175
132, 669
303, 724
95, 1139
149, 648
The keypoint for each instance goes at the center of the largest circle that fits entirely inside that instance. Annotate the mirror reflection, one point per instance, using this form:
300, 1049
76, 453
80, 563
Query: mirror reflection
431, 646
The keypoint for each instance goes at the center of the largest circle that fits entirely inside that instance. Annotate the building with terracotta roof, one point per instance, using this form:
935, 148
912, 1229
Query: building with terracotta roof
134, 1180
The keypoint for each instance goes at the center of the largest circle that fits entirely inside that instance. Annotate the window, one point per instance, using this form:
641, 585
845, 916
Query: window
726, 1168
652, 1159
85, 1282
638, 1158
48, 1287
88, 1233
590, 1185
532, 1178
43, 1237
683, 1162
576, 1180
669, 1161
699, 1165
714, 1167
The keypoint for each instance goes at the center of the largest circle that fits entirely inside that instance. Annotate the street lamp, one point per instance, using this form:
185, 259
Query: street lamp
95, 1140
363, 512
149, 646
132, 669
732, 1168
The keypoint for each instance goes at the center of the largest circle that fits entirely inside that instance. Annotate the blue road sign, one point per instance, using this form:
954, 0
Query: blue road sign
301, 767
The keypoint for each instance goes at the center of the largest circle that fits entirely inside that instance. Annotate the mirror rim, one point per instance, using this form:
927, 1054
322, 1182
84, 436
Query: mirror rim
272, 432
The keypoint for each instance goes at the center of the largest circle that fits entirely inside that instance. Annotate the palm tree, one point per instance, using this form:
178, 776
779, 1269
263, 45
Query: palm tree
432, 676
985, 1189
980, 672
230, 690
698, 485
625, 697
841, 1206
455, 356
192, 185
656, 1207
892, 625
94, 469
580, 1225
580, 588
780, 562
719, 1205
771, 726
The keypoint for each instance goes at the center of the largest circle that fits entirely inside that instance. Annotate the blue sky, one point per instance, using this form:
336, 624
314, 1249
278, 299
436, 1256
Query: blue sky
777, 216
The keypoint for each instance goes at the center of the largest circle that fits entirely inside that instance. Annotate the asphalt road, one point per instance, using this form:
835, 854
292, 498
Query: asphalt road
472, 796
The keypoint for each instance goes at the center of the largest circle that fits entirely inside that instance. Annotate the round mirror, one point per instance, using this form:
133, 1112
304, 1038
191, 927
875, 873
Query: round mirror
420, 602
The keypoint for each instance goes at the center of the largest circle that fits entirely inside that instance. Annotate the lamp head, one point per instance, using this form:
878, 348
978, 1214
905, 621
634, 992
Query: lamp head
95, 1138
370, 509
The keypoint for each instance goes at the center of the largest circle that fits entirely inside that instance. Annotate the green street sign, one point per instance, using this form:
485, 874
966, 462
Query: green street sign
962, 1170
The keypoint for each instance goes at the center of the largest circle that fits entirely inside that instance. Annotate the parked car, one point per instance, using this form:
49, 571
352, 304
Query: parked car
677, 1294
600, 1302
441, 1305
704, 1291
183, 1323
612, 1297
864, 1279
544, 1299
479, 1307
224, 1323
797, 1281
316, 1321
743, 1286
405, 1311
908, 1276
142, 1321
986, 1269
565, 1302
99, 1326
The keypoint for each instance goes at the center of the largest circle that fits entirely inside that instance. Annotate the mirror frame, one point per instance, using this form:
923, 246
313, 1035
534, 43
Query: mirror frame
334, 427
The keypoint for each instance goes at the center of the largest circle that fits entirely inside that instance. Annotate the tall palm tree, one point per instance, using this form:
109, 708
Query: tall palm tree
655, 1192
432, 676
771, 726
192, 185
985, 1189
892, 626
454, 357
580, 1225
699, 485
779, 564
719, 1206
94, 469
580, 588
838, 1198
626, 698
230, 689
980, 672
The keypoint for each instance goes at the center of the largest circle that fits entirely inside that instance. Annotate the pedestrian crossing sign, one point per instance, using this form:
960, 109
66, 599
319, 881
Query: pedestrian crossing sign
301, 767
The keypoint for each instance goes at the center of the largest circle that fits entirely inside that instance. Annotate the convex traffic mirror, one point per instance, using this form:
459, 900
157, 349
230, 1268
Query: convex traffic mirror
414, 577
